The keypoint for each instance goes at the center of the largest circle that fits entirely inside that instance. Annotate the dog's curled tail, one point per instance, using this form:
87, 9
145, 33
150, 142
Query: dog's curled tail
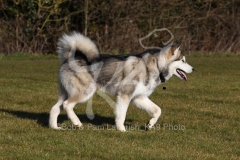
68, 45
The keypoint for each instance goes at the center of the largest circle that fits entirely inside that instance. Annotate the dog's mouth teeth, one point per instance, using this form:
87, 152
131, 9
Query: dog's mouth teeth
182, 74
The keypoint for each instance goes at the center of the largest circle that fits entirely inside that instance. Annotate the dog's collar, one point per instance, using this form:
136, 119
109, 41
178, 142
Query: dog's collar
162, 78
161, 74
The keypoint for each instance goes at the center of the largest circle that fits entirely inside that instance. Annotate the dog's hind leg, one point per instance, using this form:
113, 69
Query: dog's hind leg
78, 97
120, 111
68, 105
55, 111
151, 108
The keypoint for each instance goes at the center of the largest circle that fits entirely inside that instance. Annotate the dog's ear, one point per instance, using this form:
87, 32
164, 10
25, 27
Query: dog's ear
174, 50
176, 47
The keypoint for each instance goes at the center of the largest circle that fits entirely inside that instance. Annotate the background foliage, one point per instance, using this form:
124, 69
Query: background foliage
33, 26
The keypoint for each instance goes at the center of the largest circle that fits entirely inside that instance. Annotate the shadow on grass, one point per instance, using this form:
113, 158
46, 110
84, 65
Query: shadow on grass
42, 118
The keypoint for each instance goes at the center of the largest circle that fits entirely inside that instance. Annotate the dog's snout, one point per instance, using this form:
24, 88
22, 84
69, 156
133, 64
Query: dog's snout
192, 69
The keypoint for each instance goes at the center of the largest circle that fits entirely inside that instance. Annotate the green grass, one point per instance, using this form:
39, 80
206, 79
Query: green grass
200, 118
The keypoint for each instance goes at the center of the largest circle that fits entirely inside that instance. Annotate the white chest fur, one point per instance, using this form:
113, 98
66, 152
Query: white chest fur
146, 89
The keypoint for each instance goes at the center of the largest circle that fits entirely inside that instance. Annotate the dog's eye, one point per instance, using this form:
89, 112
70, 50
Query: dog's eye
183, 61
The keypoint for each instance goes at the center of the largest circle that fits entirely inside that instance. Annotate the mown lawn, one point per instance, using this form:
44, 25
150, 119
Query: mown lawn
200, 119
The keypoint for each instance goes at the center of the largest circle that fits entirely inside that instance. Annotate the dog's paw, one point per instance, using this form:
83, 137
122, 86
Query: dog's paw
121, 128
79, 125
76, 122
148, 126
56, 128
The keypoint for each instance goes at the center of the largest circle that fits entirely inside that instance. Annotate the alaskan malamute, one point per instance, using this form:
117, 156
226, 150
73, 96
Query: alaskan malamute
131, 78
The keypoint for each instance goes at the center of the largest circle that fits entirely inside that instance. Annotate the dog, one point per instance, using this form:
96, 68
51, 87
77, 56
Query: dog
130, 78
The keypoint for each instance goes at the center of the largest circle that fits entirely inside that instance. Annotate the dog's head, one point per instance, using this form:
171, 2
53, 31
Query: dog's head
168, 54
179, 68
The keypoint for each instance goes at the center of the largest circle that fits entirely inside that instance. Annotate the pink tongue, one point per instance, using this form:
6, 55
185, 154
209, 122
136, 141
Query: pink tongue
185, 77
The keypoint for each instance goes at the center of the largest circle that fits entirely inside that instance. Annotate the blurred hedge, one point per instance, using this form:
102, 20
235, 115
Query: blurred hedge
33, 26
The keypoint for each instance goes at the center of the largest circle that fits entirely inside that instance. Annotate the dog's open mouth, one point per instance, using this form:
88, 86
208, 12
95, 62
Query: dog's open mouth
182, 74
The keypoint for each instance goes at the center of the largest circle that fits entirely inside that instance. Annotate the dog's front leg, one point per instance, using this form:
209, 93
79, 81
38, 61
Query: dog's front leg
120, 111
151, 108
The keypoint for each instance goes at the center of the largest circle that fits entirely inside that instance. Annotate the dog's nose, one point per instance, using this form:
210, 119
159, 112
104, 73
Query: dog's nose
192, 69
